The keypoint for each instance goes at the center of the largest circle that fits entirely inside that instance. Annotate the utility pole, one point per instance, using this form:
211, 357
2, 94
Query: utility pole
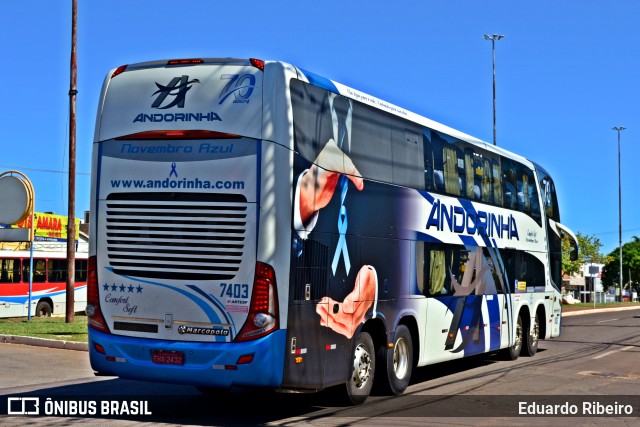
493, 39
71, 224
619, 296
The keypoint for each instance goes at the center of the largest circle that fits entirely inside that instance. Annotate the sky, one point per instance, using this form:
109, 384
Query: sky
566, 72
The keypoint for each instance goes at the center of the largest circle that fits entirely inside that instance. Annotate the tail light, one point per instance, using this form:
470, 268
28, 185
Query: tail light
119, 70
178, 134
263, 314
189, 61
94, 314
258, 63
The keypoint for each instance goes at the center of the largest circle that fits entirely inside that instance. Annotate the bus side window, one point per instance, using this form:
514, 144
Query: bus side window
451, 165
472, 189
523, 275
459, 259
81, 270
39, 270
53, 274
549, 198
510, 268
57, 269
473, 272
496, 178
485, 174
533, 196
371, 139
533, 270
437, 146
428, 160
420, 266
437, 272
522, 185
509, 184
436, 281
10, 270
25, 270
448, 164
492, 278
407, 150
307, 104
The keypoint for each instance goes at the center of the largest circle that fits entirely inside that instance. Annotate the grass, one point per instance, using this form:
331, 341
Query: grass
46, 327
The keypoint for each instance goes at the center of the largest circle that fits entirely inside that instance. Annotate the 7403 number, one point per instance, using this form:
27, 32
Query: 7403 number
234, 290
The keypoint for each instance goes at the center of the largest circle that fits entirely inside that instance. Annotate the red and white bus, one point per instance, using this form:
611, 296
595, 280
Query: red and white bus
48, 288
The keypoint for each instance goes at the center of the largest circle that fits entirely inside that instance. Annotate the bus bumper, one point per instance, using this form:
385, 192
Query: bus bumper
205, 364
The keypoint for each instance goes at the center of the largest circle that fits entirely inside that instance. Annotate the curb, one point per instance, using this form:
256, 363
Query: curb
83, 346
43, 342
599, 310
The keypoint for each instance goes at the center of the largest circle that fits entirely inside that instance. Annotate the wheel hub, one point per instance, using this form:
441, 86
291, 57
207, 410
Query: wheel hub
535, 332
400, 358
361, 366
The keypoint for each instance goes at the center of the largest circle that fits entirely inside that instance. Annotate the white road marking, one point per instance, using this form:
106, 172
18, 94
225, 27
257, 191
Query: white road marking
608, 353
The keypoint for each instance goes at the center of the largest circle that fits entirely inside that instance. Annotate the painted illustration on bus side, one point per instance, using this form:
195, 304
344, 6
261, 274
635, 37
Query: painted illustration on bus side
348, 261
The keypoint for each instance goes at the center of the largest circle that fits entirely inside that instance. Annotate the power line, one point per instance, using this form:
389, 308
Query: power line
602, 233
42, 170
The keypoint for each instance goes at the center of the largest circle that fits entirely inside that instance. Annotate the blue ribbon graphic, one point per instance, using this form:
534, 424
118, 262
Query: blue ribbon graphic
342, 229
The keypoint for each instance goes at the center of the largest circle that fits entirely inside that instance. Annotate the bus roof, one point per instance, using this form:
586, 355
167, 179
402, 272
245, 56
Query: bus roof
357, 95
332, 86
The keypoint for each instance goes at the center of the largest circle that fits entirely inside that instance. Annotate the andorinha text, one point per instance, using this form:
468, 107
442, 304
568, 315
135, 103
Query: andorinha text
177, 117
177, 183
456, 219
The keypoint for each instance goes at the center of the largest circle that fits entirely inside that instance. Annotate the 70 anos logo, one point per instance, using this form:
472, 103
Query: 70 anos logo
240, 86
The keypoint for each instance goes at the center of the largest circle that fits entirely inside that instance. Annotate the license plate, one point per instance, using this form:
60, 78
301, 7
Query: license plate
167, 357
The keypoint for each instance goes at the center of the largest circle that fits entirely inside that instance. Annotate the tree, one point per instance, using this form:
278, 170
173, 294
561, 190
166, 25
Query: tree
630, 266
589, 252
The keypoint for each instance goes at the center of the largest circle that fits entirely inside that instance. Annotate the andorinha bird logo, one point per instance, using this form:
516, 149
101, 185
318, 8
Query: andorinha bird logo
178, 88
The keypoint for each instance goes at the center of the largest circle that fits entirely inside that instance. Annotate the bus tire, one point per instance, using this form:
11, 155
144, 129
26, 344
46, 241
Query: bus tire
532, 338
395, 364
43, 309
362, 371
513, 352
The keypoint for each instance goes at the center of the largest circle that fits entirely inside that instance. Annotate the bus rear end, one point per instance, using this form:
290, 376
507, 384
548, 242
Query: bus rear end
175, 290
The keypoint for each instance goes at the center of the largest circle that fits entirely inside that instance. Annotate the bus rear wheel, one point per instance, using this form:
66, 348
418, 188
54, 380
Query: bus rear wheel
532, 338
363, 368
43, 309
513, 352
396, 363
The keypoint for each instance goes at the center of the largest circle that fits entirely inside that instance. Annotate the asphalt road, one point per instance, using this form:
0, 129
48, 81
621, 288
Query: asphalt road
596, 360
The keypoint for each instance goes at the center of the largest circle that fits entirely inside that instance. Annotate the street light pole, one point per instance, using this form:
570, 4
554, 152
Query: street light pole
619, 296
493, 39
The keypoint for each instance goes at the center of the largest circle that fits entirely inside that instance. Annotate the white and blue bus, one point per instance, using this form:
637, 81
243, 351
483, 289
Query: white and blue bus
255, 224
